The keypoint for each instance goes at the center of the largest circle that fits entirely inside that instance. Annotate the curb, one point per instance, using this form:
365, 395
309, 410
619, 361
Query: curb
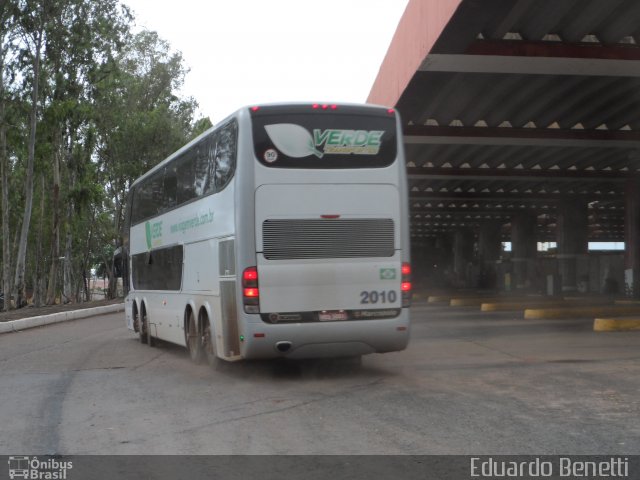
535, 305
515, 306
466, 301
616, 324
627, 302
438, 298
502, 299
39, 321
580, 312
418, 296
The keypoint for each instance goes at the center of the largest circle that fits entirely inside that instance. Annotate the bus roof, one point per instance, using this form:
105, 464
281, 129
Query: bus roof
272, 107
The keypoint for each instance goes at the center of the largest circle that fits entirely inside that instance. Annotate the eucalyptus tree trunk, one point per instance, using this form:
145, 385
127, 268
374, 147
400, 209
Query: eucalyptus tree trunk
19, 282
69, 287
67, 265
55, 234
113, 280
86, 258
4, 173
38, 276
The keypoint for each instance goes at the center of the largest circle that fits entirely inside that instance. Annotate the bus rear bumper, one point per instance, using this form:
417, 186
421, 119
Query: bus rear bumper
326, 339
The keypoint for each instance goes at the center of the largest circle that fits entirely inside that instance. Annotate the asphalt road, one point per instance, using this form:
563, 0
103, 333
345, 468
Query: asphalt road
469, 383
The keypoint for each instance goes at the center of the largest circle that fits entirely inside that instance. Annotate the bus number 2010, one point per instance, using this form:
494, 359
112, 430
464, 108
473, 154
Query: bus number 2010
382, 296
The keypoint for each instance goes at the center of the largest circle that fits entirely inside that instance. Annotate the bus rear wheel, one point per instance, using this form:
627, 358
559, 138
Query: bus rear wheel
194, 340
151, 340
145, 329
142, 326
209, 344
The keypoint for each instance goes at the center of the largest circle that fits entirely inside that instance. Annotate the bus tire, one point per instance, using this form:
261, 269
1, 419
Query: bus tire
151, 340
141, 320
136, 319
193, 338
145, 330
208, 341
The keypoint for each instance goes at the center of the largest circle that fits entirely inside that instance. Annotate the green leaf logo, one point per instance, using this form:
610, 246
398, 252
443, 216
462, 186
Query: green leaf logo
147, 228
292, 140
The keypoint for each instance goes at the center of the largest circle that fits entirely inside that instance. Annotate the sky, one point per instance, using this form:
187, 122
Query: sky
247, 52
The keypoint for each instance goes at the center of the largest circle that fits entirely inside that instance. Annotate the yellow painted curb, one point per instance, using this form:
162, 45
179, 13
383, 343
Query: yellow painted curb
627, 302
466, 302
438, 298
578, 312
543, 302
472, 301
594, 299
616, 324
419, 296
506, 306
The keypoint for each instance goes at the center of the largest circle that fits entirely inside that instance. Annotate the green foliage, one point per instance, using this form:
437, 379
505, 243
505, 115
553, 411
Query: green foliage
107, 111
200, 126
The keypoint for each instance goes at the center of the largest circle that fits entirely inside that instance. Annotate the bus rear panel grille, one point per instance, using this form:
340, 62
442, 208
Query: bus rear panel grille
334, 238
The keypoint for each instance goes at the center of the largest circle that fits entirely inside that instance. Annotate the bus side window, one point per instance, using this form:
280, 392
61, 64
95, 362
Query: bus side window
185, 175
134, 205
157, 194
144, 201
225, 155
170, 188
203, 180
210, 159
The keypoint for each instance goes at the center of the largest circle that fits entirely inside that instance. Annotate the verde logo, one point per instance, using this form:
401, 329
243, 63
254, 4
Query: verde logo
153, 233
295, 141
387, 274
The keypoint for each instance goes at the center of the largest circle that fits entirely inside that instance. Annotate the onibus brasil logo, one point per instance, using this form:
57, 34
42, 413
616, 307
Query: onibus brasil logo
33, 468
296, 141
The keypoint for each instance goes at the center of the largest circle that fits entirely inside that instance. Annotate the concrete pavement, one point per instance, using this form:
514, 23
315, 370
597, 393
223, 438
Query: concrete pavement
469, 383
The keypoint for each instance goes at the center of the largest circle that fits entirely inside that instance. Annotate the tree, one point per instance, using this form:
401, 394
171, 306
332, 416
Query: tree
85, 107
140, 120
7, 20
32, 23
86, 37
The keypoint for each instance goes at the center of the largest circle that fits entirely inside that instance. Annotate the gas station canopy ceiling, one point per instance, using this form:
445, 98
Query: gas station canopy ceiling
516, 105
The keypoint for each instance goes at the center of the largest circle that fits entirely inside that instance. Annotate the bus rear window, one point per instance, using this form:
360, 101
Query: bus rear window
303, 137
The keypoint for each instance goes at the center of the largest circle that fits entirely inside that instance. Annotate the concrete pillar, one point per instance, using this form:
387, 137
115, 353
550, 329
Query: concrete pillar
463, 240
422, 253
572, 236
632, 238
489, 250
524, 248
443, 260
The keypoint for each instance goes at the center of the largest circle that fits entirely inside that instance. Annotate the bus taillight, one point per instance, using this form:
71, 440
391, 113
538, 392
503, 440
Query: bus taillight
324, 106
405, 286
250, 277
250, 291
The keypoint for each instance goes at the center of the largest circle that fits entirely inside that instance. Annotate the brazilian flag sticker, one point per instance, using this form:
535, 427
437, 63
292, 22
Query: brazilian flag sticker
387, 274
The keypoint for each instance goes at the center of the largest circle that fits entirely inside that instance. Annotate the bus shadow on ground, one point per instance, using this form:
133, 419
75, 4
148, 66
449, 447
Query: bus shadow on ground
310, 369
284, 368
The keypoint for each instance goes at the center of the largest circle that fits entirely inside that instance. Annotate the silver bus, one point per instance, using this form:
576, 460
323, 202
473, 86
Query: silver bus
280, 232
